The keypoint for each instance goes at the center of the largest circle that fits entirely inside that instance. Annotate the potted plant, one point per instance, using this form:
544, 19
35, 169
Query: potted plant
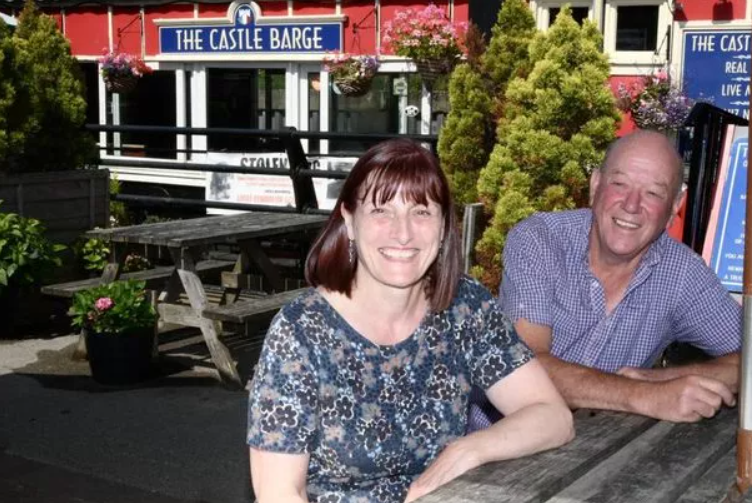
121, 71
655, 102
429, 38
351, 75
118, 321
26, 257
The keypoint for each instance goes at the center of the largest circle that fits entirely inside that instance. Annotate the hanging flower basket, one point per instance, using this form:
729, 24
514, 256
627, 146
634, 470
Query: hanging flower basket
121, 71
122, 84
430, 70
429, 38
351, 75
351, 87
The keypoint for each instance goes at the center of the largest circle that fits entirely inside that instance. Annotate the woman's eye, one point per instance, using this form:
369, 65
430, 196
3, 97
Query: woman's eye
423, 212
377, 210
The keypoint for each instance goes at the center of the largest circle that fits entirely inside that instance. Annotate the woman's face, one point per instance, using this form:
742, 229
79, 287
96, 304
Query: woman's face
396, 242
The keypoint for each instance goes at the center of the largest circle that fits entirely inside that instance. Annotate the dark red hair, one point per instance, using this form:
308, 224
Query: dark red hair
391, 166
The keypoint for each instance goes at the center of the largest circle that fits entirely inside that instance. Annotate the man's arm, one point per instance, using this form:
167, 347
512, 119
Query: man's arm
684, 398
723, 368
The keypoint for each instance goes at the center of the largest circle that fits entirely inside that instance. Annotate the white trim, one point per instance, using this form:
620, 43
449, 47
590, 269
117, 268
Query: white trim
541, 8
290, 11
377, 7
292, 95
142, 27
180, 112
110, 35
102, 106
324, 107
63, 24
636, 58
195, 11
239, 58
338, 7
259, 18
198, 107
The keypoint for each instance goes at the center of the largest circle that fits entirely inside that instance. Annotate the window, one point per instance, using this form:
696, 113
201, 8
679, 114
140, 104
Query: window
637, 28
151, 103
547, 10
246, 98
579, 14
377, 111
635, 35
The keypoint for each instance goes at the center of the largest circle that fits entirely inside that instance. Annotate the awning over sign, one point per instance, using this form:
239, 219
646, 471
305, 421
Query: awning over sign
9, 20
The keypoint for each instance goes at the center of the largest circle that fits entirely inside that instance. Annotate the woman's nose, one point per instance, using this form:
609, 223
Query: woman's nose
400, 229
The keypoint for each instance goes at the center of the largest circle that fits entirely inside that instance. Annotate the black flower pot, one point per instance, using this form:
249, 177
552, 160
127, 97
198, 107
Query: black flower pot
120, 358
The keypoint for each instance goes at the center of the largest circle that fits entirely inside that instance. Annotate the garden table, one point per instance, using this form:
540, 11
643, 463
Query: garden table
615, 458
186, 240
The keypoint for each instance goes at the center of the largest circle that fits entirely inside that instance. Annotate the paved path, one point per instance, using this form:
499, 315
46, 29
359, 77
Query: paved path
178, 438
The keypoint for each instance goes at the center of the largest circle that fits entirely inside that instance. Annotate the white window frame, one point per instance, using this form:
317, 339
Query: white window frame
541, 8
632, 62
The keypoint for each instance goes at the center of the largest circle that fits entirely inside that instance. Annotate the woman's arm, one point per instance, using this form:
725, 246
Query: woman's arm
536, 418
278, 477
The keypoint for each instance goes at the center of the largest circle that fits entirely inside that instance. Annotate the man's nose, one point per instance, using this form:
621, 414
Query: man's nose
632, 201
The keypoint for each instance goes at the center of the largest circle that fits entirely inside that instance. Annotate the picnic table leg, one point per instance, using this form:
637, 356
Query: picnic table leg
256, 254
210, 329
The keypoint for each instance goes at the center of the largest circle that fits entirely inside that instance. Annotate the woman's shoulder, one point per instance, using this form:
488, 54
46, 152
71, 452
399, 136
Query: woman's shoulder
471, 292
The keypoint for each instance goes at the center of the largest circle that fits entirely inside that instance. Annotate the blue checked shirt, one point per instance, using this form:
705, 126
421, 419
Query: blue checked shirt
673, 296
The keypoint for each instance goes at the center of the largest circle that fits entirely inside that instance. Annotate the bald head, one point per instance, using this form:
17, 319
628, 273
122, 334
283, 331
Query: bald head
651, 143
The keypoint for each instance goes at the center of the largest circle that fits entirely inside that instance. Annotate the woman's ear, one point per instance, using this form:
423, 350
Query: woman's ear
348, 218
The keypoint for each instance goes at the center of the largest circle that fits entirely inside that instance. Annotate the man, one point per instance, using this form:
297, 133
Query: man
599, 294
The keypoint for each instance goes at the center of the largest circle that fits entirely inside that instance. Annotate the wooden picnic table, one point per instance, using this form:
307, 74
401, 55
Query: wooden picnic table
615, 458
186, 240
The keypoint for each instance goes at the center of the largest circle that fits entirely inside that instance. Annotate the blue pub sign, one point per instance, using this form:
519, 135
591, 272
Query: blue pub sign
716, 68
246, 31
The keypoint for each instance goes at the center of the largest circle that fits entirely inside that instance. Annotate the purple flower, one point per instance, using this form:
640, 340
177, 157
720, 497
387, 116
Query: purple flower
103, 304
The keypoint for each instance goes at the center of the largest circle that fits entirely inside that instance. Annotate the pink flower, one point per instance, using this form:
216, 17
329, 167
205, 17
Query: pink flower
104, 303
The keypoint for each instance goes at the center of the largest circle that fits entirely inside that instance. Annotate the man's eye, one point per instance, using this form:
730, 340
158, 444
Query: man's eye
655, 195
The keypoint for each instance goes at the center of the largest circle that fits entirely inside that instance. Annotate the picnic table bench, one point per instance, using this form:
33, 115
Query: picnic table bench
186, 241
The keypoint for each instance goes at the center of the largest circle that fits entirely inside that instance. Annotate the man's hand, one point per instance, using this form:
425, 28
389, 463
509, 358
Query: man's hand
457, 458
685, 399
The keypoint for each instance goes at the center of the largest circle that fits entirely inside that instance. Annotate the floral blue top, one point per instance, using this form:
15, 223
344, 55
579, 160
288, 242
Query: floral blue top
374, 417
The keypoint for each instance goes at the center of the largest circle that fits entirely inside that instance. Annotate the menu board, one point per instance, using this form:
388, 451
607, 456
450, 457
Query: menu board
726, 232
716, 68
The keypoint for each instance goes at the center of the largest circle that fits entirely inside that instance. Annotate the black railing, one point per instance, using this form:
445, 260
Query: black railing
288, 141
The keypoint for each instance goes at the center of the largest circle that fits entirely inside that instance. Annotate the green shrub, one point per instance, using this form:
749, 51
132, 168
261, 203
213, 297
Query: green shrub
114, 308
26, 255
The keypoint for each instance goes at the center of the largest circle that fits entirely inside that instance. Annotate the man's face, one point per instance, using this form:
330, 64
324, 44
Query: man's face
633, 201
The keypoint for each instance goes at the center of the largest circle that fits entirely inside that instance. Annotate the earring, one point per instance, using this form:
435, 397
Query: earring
351, 251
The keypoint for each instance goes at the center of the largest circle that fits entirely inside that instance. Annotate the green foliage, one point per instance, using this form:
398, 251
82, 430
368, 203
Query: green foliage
93, 253
46, 108
26, 255
507, 54
114, 308
463, 142
476, 97
558, 120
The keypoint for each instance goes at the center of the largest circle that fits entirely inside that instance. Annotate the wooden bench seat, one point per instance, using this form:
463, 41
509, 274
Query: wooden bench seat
242, 310
152, 277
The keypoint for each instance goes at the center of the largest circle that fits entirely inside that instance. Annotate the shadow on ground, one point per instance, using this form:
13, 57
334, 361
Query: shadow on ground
178, 436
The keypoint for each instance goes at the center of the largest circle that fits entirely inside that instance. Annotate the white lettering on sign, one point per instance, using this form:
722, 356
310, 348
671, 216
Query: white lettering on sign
295, 38
703, 43
736, 67
190, 39
242, 39
735, 43
731, 90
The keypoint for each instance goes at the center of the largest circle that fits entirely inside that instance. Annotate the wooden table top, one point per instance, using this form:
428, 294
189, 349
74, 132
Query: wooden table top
212, 230
615, 458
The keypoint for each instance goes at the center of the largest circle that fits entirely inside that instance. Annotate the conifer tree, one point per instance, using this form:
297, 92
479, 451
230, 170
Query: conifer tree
557, 123
49, 107
476, 90
7, 88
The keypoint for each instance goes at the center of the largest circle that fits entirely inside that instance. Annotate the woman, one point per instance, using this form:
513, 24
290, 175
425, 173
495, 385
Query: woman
362, 388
